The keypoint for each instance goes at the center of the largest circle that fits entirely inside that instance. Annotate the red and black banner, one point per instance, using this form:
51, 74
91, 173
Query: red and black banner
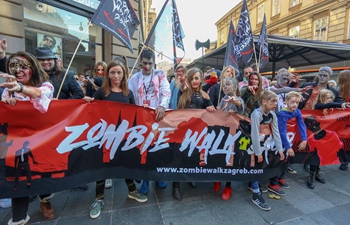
76, 143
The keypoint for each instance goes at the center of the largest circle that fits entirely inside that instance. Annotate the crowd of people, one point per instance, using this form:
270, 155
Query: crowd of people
38, 78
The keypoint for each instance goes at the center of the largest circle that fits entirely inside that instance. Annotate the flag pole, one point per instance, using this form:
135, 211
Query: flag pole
257, 66
71, 61
137, 59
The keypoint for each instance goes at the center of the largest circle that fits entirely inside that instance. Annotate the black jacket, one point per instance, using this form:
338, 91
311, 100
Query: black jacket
70, 88
90, 91
337, 97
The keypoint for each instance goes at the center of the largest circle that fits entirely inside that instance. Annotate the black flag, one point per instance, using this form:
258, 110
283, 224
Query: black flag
244, 36
119, 18
263, 45
231, 49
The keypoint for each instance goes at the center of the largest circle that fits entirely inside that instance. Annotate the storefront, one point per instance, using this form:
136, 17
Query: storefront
60, 25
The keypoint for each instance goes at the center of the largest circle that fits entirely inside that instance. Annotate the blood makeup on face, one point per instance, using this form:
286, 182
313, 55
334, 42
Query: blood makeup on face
253, 80
196, 81
100, 71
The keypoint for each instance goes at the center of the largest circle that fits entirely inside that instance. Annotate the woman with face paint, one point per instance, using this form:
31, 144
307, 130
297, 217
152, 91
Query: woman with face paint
216, 93
92, 84
231, 102
250, 94
114, 88
193, 97
26, 81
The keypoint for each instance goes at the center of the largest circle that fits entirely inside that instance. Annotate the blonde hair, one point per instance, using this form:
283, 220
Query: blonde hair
224, 71
321, 98
267, 95
293, 94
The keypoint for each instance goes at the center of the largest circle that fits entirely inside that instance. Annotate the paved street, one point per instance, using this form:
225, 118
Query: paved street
327, 204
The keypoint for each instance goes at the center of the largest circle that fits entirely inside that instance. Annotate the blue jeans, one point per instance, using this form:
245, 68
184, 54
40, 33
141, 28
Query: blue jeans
255, 186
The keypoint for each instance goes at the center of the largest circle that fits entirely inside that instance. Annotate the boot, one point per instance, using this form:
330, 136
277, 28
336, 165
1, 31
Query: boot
46, 207
310, 180
318, 177
176, 191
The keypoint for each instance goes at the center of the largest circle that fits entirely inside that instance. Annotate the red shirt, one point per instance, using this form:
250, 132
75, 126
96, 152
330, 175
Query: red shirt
327, 147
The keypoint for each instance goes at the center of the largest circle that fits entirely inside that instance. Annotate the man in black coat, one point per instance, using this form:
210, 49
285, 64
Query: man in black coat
49, 62
70, 90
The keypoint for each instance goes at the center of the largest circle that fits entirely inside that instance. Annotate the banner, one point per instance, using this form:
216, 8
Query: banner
75, 143
118, 17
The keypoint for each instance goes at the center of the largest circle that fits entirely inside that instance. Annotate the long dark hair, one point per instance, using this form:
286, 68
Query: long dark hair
39, 76
106, 85
185, 99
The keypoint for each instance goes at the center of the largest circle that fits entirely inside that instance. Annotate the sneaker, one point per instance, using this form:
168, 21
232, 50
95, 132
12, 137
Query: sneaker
144, 187
283, 183
108, 183
161, 184
291, 170
137, 196
5, 203
226, 193
260, 202
276, 189
95, 208
217, 186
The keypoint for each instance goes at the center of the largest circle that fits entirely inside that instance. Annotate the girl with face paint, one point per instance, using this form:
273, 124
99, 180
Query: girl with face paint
193, 97
92, 84
216, 93
231, 102
26, 81
250, 94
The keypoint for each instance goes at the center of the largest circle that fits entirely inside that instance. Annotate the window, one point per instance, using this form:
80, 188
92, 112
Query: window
261, 10
294, 32
321, 29
276, 7
295, 2
61, 31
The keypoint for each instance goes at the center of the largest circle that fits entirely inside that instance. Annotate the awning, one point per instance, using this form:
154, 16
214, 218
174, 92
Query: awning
285, 52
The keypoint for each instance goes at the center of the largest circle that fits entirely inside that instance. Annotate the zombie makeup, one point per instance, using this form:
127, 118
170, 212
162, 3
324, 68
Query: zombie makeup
229, 86
147, 65
16, 65
196, 81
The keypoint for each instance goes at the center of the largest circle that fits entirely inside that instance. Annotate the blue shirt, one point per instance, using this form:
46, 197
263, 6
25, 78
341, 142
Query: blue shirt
283, 117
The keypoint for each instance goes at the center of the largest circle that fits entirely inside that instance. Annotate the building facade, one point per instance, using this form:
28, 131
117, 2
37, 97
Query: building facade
324, 20
27, 24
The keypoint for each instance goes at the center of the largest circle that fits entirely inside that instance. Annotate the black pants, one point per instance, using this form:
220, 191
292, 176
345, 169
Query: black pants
19, 208
100, 187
